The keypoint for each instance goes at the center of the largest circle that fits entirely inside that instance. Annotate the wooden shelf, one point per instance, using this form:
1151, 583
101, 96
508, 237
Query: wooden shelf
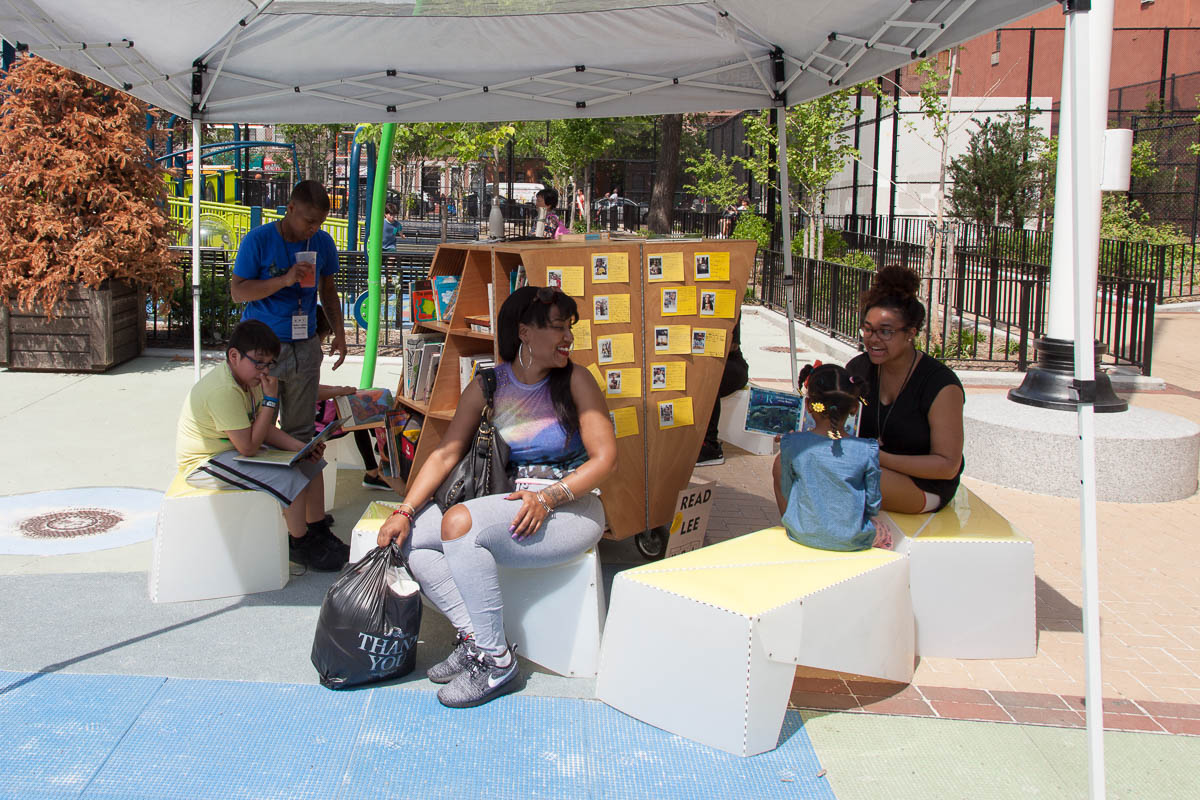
654, 464
409, 403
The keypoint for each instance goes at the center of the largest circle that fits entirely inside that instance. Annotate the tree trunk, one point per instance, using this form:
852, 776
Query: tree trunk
666, 175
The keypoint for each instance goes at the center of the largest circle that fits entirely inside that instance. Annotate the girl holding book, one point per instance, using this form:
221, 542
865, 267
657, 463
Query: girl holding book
827, 483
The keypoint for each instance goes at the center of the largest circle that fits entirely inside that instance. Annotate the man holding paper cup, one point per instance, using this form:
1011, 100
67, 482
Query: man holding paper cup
281, 269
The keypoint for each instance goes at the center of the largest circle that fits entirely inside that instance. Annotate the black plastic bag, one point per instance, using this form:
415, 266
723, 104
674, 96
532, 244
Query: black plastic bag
367, 631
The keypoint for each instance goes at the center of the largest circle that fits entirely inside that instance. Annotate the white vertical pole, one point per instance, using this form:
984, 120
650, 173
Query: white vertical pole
197, 180
785, 206
1089, 52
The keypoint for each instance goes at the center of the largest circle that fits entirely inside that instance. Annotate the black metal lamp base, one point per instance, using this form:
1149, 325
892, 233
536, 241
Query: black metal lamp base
1050, 384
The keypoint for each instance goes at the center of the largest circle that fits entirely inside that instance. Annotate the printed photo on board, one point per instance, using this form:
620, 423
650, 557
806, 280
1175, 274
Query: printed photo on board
614, 381
670, 301
601, 314
666, 414
698, 340
654, 266
604, 350
702, 270
662, 339
708, 303
658, 378
554, 278
600, 267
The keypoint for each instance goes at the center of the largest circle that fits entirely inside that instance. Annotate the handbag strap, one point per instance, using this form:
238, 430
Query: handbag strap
487, 379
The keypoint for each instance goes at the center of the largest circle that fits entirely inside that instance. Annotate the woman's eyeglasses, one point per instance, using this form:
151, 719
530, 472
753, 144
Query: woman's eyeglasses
261, 366
884, 334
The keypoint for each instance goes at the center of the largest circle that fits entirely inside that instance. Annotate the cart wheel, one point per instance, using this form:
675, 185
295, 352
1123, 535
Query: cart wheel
652, 544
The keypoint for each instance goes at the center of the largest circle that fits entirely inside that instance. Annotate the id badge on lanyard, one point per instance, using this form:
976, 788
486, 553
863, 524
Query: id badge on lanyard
299, 324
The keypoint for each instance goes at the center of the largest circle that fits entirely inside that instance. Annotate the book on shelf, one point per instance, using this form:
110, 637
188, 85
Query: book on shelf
517, 278
431, 354
491, 295
479, 323
469, 366
445, 295
424, 309
403, 430
414, 348
363, 409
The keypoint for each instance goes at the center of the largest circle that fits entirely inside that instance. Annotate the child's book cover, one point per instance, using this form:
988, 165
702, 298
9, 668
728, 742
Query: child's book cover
445, 293
776, 413
424, 308
363, 409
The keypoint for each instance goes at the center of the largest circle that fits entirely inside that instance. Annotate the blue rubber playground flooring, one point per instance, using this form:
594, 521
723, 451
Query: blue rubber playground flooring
129, 737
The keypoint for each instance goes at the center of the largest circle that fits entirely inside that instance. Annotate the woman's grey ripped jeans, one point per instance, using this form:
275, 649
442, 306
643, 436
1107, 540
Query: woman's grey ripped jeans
460, 577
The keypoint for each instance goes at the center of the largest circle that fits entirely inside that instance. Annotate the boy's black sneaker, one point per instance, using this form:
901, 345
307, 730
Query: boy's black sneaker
375, 482
711, 455
325, 533
310, 550
481, 681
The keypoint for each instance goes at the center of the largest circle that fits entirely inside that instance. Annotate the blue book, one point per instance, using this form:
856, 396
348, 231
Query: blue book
445, 294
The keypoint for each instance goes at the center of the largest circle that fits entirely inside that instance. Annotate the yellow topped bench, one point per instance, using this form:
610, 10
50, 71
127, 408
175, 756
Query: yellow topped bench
705, 644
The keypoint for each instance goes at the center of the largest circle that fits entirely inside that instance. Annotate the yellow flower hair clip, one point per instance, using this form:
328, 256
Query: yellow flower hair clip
817, 408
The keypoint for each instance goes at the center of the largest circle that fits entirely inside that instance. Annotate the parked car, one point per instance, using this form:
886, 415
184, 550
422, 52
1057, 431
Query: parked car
629, 212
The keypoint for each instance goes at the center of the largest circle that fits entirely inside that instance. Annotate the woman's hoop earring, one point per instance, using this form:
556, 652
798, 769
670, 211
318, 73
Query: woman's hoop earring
521, 349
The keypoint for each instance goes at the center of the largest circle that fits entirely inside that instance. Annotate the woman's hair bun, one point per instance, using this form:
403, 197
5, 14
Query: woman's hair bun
896, 280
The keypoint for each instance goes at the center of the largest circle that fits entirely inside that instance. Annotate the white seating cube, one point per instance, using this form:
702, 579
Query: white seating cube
217, 543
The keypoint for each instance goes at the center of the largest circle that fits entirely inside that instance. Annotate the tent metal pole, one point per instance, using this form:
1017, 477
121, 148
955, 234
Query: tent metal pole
197, 181
1089, 51
785, 207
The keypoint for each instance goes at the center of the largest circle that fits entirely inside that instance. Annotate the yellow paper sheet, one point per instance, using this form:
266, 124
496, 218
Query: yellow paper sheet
615, 349
720, 303
673, 339
582, 331
622, 383
596, 374
625, 421
664, 267
610, 309
668, 376
712, 266
675, 413
610, 268
708, 342
678, 301
569, 279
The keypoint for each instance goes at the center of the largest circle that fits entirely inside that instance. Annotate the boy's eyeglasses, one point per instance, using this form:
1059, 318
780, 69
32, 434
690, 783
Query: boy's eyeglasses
884, 334
261, 366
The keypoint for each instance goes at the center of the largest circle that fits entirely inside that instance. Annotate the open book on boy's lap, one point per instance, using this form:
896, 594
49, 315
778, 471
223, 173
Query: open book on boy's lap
364, 409
290, 458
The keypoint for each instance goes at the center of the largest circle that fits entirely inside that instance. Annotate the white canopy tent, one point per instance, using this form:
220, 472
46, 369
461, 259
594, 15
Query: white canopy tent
313, 61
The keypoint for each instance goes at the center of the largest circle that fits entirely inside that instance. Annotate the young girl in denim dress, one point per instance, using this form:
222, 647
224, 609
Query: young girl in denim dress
827, 482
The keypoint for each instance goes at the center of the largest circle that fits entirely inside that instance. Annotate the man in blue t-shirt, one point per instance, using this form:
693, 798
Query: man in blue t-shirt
282, 292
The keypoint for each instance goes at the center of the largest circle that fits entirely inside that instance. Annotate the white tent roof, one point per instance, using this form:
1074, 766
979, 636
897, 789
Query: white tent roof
463, 60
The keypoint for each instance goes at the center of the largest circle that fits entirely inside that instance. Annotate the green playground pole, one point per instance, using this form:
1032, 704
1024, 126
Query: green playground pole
375, 254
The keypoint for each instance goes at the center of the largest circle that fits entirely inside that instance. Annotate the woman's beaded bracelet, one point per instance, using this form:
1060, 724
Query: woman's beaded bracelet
406, 514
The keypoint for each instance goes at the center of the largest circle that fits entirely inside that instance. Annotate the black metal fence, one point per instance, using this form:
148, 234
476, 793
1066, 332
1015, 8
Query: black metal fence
989, 311
169, 322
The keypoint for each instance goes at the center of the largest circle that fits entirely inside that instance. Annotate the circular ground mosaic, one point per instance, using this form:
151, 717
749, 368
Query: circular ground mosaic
70, 523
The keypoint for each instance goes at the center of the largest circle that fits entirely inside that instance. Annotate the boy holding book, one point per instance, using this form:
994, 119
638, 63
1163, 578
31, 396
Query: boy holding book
231, 412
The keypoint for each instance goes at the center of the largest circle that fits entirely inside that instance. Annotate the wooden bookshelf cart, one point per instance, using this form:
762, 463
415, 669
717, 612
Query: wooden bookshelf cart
656, 462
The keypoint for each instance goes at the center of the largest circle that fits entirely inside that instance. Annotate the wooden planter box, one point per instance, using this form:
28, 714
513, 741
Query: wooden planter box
96, 329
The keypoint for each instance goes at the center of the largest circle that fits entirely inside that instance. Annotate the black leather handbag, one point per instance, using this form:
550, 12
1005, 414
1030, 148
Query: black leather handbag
483, 470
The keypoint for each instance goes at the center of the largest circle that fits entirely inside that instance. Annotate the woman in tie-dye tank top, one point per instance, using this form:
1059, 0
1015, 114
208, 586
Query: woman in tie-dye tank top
562, 446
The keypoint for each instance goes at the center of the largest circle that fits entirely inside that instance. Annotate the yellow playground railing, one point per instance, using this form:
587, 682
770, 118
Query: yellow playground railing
224, 224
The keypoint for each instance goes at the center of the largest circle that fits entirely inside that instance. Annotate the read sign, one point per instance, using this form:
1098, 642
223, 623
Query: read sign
691, 518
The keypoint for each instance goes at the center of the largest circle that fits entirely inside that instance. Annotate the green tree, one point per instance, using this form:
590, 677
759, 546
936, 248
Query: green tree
713, 179
573, 144
314, 148
996, 180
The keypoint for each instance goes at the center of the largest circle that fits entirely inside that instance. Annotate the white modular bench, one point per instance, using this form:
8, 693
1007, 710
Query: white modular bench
555, 615
217, 543
706, 644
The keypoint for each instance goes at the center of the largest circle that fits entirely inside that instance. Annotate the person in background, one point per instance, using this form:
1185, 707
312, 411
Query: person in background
827, 483
734, 377
549, 226
391, 226
231, 411
555, 421
580, 205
